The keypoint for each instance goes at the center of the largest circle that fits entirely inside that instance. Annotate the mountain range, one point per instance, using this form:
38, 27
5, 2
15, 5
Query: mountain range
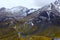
37, 20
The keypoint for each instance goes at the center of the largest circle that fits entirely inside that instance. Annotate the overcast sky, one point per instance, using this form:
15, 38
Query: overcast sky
25, 3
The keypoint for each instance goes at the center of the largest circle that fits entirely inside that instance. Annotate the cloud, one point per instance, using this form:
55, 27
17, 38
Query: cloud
40, 3
12, 3
26, 3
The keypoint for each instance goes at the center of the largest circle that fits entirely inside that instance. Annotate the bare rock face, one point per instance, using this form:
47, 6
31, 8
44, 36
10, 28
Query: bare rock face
43, 19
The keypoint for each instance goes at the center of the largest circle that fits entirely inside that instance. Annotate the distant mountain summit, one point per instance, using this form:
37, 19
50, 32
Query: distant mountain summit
15, 13
18, 11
